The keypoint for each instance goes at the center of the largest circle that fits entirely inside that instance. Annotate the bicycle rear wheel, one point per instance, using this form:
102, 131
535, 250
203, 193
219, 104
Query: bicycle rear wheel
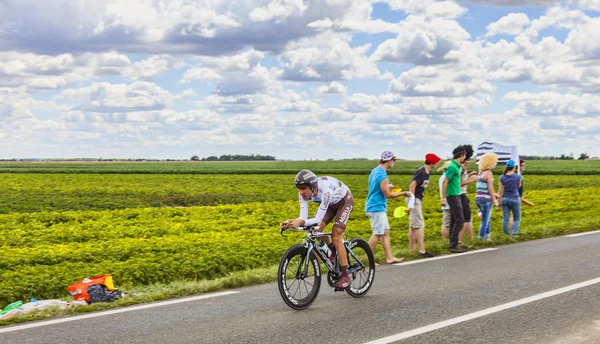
361, 267
298, 282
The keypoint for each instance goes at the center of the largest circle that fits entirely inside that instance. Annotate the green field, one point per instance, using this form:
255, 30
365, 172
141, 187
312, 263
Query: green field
271, 167
154, 227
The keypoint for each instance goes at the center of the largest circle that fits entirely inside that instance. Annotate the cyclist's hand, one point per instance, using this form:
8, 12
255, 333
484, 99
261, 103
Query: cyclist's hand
294, 224
291, 224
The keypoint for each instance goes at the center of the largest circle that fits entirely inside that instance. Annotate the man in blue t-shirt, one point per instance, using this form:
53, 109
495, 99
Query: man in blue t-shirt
376, 205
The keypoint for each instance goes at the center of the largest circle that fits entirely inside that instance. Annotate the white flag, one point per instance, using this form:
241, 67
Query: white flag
504, 152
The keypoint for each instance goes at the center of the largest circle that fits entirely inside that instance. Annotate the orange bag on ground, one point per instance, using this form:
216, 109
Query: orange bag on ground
79, 290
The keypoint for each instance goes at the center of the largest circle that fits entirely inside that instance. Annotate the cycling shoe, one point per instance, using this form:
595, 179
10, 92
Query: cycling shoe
343, 283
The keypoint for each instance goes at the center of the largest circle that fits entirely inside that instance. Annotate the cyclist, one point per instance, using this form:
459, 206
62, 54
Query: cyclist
336, 201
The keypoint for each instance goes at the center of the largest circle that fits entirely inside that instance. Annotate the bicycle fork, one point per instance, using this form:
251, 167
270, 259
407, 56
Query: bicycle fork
302, 271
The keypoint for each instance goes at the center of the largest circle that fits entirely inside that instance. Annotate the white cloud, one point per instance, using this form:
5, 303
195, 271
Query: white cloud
333, 87
200, 73
548, 61
583, 4
279, 9
209, 27
515, 3
106, 97
38, 72
559, 17
422, 41
554, 104
43, 72
360, 102
335, 115
292, 101
591, 5
236, 74
579, 40
511, 24
152, 67
235, 63
13, 106
271, 65
369, 26
258, 80
327, 57
276, 101
440, 82
433, 106
428, 8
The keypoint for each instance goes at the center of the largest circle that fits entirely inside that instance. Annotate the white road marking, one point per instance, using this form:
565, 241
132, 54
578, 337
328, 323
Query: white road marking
114, 311
580, 234
425, 260
488, 311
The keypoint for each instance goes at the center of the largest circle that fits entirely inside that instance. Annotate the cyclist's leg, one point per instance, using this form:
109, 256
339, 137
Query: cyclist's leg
329, 215
341, 219
338, 235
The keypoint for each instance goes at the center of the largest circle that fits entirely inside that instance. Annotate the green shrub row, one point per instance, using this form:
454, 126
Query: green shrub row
42, 253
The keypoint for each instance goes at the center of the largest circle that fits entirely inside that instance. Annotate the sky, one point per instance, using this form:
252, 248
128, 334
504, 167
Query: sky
297, 79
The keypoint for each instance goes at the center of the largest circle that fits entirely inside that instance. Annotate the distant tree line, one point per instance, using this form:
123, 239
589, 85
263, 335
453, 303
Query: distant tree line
234, 157
583, 156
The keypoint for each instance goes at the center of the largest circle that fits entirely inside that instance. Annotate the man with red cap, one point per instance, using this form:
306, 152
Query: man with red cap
417, 187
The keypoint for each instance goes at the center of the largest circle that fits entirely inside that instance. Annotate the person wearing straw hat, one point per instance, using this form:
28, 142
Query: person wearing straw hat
376, 205
417, 187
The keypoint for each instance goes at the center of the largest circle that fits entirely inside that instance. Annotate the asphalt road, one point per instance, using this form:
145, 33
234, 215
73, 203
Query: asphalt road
453, 300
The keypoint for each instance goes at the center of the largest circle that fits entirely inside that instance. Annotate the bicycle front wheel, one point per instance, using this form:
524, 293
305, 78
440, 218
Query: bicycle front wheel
299, 279
361, 267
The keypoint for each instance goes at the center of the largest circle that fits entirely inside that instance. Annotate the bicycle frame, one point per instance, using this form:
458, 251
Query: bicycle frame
310, 243
300, 282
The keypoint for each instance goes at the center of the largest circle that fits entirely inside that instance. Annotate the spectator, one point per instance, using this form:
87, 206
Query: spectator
466, 179
485, 195
451, 189
417, 187
508, 190
376, 205
445, 209
523, 200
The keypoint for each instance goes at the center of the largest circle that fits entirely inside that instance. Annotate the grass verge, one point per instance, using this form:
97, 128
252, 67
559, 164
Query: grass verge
159, 292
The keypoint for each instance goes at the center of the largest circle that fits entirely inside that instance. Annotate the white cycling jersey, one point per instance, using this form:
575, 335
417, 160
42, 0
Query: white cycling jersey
329, 191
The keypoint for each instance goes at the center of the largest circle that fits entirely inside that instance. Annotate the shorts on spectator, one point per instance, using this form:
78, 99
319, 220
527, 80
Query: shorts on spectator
466, 205
416, 219
446, 218
379, 222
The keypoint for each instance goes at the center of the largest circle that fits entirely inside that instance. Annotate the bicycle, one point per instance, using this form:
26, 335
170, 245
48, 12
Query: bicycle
299, 278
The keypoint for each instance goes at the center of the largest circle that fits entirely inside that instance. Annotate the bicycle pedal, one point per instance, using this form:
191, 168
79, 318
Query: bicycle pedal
339, 289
